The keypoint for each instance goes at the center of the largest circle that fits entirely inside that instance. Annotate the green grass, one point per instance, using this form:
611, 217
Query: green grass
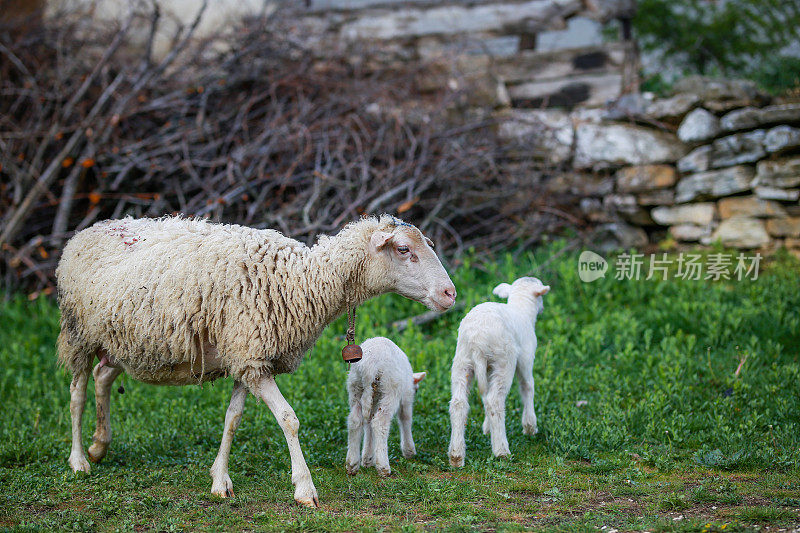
670, 439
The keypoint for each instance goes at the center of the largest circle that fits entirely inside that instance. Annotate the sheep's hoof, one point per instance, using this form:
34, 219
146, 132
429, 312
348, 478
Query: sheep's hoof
408, 454
79, 464
222, 487
227, 493
311, 503
97, 451
352, 469
530, 430
456, 461
384, 472
307, 498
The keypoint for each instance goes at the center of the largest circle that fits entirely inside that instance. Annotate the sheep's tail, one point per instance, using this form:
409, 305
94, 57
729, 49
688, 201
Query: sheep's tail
481, 379
73, 355
371, 398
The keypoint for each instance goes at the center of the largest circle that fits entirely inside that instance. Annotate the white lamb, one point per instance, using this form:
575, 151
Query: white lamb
178, 302
379, 386
494, 341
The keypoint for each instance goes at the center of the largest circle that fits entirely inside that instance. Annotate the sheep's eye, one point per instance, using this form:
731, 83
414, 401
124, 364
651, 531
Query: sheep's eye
402, 249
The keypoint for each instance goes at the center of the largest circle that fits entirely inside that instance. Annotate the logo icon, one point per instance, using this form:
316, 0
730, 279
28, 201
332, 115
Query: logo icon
591, 266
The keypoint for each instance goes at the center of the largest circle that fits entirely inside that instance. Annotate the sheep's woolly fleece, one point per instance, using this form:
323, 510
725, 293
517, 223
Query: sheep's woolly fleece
155, 294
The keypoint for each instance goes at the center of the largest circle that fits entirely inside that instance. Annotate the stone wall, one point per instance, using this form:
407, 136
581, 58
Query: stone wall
509, 48
718, 161
521, 52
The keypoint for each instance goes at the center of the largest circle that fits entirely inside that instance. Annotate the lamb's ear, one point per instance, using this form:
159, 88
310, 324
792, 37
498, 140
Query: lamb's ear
541, 292
502, 291
419, 376
379, 239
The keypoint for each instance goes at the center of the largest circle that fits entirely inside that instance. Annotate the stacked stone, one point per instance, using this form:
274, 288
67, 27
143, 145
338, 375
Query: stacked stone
740, 167
497, 49
730, 173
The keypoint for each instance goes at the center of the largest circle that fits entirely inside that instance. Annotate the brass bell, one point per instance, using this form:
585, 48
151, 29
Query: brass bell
351, 353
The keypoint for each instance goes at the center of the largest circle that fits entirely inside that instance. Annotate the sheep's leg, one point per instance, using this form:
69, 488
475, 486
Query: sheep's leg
406, 438
526, 393
481, 371
381, 424
104, 377
305, 493
77, 390
368, 449
495, 406
481, 376
460, 381
355, 429
221, 484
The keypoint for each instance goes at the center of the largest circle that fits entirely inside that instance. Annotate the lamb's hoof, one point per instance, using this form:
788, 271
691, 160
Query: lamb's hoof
457, 461
97, 452
503, 454
227, 493
408, 454
384, 471
352, 469
222, 487
79, 464
307, 497
530, 430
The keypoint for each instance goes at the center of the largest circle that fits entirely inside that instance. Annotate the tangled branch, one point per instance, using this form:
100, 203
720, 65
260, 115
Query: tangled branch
248, 128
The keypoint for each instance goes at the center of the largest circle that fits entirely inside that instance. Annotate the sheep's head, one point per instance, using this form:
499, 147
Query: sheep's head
527, 288
409, 265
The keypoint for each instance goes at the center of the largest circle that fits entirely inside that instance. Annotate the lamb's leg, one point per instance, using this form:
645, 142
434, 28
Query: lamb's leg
104, 377
483, 389
482, 381
460, 381
526, 393
494, 404
381, 424
406, 438
221, 482
77, 390
355, 429
305, 493
367, 450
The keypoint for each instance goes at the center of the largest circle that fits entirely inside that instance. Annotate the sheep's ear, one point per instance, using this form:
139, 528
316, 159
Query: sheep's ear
419, 376
541, 292
502, 291
379, 239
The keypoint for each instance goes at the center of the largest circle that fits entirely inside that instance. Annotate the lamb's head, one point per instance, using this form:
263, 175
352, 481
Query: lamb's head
403, 258
525, 289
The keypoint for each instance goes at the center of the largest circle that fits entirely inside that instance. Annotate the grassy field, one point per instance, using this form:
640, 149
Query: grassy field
670, 439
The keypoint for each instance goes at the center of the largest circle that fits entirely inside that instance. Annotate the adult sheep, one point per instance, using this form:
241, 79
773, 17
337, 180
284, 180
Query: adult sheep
177, 301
